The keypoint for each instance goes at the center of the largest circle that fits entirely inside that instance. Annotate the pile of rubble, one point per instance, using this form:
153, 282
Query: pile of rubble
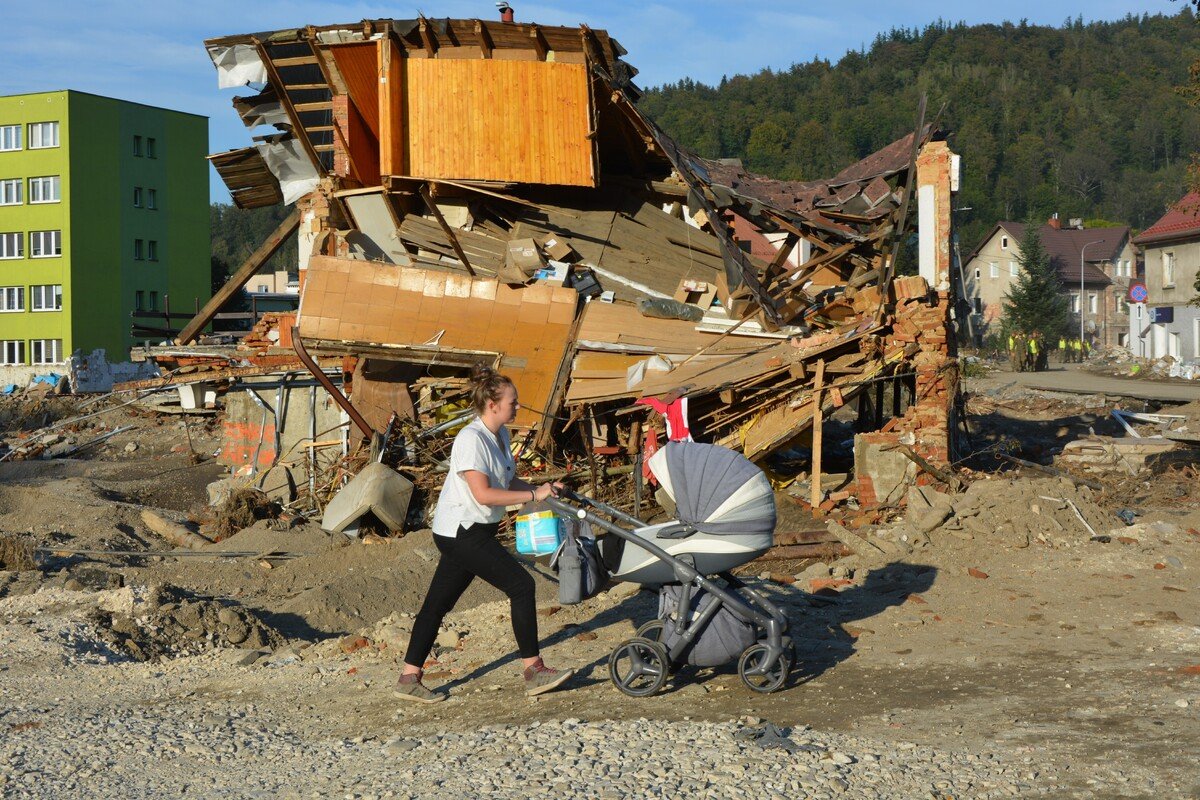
1120, 362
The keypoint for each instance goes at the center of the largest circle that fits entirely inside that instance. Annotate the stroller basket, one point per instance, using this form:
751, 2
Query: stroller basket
725, 518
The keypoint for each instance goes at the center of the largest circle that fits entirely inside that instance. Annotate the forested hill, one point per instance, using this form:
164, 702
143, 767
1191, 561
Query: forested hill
1084, 119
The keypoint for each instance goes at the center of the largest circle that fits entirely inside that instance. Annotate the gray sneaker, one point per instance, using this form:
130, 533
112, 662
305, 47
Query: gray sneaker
540, 679
417, 692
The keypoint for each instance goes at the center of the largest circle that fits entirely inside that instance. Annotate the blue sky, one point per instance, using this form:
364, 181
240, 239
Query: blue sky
152, 52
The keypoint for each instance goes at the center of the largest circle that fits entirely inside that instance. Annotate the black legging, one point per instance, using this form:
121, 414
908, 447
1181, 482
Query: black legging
474, 551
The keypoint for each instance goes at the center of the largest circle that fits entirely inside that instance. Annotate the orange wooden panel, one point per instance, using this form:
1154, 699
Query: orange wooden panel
484, 119
358, 64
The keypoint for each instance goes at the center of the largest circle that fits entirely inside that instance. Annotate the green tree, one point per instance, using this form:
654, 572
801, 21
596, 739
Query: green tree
1035, 302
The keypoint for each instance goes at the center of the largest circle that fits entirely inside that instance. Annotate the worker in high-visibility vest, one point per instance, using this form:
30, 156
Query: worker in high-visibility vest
1076, 350
1062, 350
1016, 352
1032, 356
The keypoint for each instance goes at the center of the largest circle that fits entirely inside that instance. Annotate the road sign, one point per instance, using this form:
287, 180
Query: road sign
1138, 292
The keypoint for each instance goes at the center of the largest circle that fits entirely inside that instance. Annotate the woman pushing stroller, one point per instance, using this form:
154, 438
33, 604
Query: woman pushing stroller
481, 483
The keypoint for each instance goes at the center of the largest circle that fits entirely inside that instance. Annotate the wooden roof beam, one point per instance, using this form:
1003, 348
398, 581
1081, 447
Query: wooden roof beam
486, 45
428, 38
539, 42
286, 102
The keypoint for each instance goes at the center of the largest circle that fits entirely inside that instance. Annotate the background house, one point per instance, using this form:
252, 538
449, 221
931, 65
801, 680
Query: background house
103, 212
1108, 264
1166, 325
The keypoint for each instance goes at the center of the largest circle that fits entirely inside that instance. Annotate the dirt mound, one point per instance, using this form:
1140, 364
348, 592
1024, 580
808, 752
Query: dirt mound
243, 508
168, 621
1016, 513
15, 555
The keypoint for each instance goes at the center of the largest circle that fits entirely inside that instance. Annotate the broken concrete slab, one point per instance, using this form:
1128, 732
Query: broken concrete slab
377, 489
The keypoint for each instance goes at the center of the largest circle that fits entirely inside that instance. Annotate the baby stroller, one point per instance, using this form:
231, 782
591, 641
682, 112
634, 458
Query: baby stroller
724, 517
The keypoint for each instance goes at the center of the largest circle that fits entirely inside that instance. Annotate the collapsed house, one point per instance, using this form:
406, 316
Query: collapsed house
469, 190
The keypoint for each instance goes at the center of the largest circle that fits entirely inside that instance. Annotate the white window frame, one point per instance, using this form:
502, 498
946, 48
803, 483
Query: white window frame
12, 352
1075, 302
152, 199
1013, 269
978, 273
137, 197
40, 184
10, 138
1168, 269
1093, 303
12, 299
138, 253
1122, 305
38, 297
993, 270
37, 351
152, 250
37, 133
11, 192
8, 238
1003, 242
38, 240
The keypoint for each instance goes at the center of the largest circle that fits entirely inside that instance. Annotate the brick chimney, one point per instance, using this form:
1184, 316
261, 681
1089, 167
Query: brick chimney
1054, 223
506, 12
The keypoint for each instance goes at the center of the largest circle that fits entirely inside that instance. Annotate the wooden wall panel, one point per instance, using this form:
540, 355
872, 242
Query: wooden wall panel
358, 64
345, 300
486, 119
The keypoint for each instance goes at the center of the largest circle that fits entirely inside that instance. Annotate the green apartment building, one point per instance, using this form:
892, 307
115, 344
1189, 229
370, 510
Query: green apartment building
103, 210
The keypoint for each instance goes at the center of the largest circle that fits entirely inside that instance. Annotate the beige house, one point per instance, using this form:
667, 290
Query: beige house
1106, 256
1167, 324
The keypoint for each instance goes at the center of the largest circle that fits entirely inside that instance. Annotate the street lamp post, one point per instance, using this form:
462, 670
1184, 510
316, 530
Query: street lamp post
1081, 263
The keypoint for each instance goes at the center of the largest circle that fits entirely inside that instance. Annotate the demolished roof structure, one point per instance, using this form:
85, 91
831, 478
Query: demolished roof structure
470, 191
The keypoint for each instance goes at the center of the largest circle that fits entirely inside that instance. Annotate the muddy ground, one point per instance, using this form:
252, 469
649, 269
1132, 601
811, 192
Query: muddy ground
1009, 626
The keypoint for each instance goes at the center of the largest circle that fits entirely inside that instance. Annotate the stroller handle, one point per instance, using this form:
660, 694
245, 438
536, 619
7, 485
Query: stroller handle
570, 494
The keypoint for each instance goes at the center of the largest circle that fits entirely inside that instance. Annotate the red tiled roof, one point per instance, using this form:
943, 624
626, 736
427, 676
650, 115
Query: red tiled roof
1182, 221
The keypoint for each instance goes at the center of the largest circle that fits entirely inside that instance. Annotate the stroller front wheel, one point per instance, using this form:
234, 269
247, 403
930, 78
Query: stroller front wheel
639, 667
764, 681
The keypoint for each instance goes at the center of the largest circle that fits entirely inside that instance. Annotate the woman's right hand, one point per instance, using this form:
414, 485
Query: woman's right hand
545, 490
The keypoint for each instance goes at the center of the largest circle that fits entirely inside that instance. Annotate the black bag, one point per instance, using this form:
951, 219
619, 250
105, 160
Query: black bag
581, 573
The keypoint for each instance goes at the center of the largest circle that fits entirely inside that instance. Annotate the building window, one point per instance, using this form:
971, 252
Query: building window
978, 305
43, 134
978, 273
154, 301
1168, 270
46, 351
45, 297
137, 197
1093, 303
1012, 269
152, 198
993, 270
137, 250
10, 192
263, 288
139, 298
1003, 242
12, 245
45, 189
137, 146
151, 148
45, 244
152, 250
12, 298
1122, 305
10, 137
12, 351
1128, 268
1074, 302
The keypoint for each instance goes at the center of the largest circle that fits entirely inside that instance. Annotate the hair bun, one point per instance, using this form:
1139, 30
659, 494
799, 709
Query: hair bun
482, 373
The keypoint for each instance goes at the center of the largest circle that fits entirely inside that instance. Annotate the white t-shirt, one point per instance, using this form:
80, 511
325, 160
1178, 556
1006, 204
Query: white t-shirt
475, 448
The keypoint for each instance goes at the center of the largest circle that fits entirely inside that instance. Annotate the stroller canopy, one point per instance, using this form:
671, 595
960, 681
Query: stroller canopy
715, 489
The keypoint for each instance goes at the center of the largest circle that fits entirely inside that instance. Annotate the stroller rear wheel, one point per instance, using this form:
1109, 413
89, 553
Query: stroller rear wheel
652, 630
750, 668
639, 667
